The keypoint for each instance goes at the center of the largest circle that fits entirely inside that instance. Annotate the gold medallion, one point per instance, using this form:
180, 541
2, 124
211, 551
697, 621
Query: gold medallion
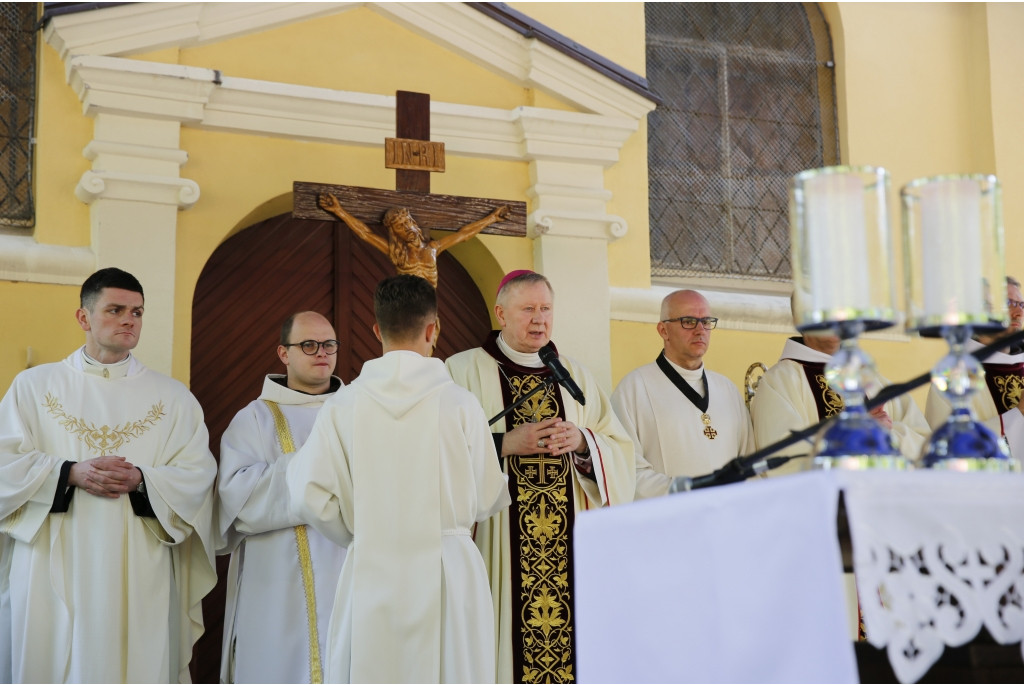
709, 432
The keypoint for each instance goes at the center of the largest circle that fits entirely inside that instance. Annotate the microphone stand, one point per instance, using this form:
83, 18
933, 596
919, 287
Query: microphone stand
547, 382
741, 468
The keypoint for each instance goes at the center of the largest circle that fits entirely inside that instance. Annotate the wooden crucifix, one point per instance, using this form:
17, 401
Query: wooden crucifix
398, 222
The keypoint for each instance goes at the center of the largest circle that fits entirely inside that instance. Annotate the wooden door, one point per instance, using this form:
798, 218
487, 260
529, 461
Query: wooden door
255, 280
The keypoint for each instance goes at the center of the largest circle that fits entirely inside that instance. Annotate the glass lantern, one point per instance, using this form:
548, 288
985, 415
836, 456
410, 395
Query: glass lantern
955, 288
842, 275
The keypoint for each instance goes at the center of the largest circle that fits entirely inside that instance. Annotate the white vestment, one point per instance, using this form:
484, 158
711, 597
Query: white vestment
399, 466
99, 594
614, 474
268, 617
667, 431
784, 403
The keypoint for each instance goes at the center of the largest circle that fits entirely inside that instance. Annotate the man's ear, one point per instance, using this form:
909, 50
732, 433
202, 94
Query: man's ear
432, 331
282, 354
499, 314
82, 317
376, 333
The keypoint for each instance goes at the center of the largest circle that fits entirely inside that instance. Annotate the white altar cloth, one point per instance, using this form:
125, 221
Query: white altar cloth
742, 583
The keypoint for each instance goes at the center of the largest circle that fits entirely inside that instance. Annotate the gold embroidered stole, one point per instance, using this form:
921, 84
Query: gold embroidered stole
540, 526
827, 400
284, 437
1005, 384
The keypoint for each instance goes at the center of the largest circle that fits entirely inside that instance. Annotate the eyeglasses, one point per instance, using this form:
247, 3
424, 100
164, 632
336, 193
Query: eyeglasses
688, 322
1019, 304
311, 347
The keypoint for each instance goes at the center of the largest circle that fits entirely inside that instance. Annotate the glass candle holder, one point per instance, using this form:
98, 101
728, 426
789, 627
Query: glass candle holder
841, 248
842, 276
955, 286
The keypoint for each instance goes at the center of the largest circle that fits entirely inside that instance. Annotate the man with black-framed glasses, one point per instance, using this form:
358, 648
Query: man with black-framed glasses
282, 575
683, 419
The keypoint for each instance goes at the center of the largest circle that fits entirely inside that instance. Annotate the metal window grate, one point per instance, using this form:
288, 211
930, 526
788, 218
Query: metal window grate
17, 111
745, 87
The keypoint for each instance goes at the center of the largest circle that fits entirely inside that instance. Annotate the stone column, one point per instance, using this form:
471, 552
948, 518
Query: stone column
134, 192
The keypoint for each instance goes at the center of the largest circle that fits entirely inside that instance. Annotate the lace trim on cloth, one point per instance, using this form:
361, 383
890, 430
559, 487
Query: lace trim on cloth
937, 561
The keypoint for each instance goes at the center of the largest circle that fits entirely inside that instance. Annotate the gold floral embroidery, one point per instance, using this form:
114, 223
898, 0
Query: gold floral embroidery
833, 402
103, 439
1010, 388
545, 512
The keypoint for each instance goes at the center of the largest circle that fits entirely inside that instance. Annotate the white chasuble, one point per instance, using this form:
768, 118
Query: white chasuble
399, 466
788, 398
526, 651
99, 594
669, 434
283, 575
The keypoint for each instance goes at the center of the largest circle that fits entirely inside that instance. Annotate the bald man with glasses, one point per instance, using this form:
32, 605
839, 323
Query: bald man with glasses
683, 419
282, 575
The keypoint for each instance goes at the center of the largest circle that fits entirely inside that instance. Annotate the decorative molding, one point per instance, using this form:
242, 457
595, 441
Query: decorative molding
23, 259
97, 148
525, 61
134, 88
575, 224
137, 28
207, 99
735, 310
116, 185
757, 312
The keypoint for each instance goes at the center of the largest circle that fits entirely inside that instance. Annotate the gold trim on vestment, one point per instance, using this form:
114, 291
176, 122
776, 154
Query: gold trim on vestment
104, 439
1010, 388
284, 437
831, 400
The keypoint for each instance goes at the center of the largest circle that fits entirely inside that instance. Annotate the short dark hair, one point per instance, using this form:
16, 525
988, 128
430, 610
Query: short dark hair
403, 305
286, 328
111, 277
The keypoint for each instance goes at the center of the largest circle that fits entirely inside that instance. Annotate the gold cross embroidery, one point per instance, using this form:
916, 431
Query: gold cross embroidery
543, 461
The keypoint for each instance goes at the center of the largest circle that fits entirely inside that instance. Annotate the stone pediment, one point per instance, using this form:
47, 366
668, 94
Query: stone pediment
508, 47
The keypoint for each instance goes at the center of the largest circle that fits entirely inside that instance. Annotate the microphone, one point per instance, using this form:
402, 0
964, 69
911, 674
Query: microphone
562, 377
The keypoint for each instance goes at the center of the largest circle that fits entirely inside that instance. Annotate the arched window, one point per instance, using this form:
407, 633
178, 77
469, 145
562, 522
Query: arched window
748, 101
17, 111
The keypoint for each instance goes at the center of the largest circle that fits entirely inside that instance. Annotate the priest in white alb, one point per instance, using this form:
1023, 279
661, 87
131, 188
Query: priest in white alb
562, 456
106, 504
684, 419
399, 467
283, 574
794, 394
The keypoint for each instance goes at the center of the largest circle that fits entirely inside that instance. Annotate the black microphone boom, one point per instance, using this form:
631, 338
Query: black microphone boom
550, 359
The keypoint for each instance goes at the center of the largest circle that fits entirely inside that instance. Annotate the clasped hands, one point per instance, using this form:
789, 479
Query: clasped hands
550, 436
109, 476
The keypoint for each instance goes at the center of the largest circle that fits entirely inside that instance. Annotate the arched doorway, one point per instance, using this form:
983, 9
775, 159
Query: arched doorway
256, 279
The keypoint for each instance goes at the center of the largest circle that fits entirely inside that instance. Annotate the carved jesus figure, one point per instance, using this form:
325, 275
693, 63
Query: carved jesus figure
408, 246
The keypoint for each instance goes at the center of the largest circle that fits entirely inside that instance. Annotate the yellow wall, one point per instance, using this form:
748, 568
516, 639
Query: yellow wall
40, 317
